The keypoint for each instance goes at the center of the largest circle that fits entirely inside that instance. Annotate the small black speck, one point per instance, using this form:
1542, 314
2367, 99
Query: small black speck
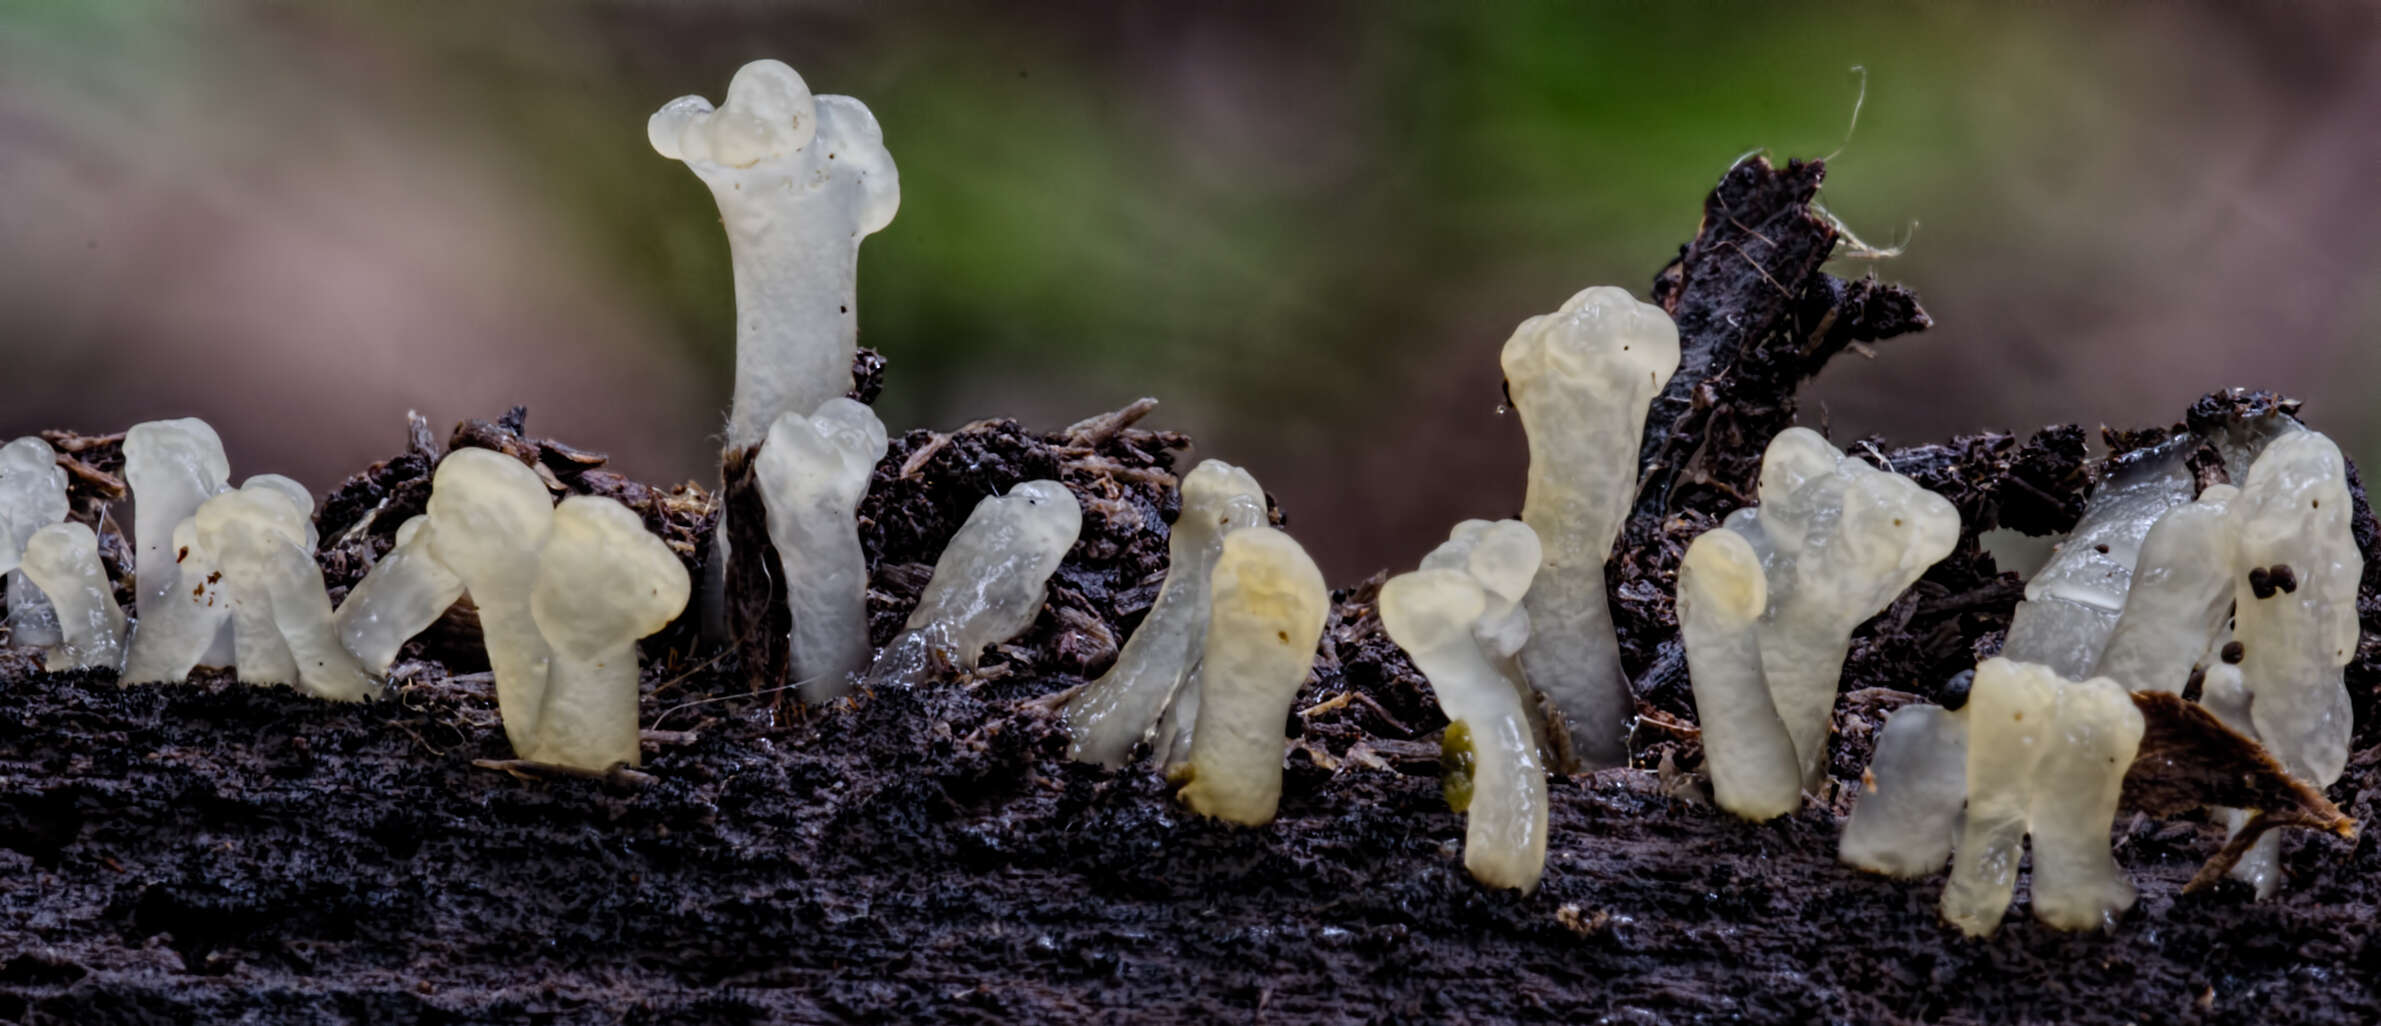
2260, 583
2196, 684
2233, 652
2101, 548
843, 309
2283, 577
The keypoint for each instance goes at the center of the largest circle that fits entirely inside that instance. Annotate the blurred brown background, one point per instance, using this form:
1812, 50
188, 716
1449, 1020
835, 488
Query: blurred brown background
1307, 231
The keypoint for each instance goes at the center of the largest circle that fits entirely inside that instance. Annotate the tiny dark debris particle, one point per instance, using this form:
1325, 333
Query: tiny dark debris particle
2261, 583
2101, 548
2196, 685
2283, 577
1955, 690
2233, 651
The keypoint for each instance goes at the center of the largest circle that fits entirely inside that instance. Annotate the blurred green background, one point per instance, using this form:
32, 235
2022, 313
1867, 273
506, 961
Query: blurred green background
1306, 229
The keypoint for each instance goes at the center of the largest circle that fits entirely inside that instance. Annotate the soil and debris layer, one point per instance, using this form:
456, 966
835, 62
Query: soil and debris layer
219, 852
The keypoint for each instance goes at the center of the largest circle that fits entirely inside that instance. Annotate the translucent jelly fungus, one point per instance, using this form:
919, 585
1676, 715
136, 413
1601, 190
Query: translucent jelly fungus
2180, 598
1838, 540
63, 561
32, 497
1908, 808
799, 179
813, 472
172, 466
2073, 601
988, 585
2048, 756
258, 539
1721, 595
1121, 708
603, 581
2295, 602
401, 596
1460, 621
1581, 379
1262, 628
489, 517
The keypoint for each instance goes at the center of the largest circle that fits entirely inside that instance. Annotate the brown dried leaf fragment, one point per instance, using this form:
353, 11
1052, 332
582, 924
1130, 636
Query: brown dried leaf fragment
2190, 760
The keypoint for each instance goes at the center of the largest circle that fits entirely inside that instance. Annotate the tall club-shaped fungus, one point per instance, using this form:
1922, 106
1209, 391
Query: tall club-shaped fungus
401, 596
813, 472
2180, 598
172, 467
1262, 627
1582, 378
1460, 620
489, 517
1837, 540
1749, 754
603, 581
988, 585
1157, 663
800, 180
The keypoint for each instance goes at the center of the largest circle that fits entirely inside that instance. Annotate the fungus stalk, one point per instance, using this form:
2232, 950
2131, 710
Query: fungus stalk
1262, 628
489, 518
2180, 597
2072, 603
1746, 749
813, 472
172, 467
2295, 602
1460, 620
1581, 379
603, 581
401, 596
800, 180
1120, 709
1838, 540
63, 561
988, 585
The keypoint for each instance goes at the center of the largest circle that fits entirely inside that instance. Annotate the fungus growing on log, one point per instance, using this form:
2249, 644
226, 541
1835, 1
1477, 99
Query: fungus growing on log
1459, 619
489, 517
2180, 597
1746, 749
603, 581
2048, 756
401, 596
1581, 379
259, 538
987, 587
1263, 624
1910, 795
1159, 661
1838, 540
63, 561
2072, 603
172, 466
2290, 521
32, 497
800, 180
813, 471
